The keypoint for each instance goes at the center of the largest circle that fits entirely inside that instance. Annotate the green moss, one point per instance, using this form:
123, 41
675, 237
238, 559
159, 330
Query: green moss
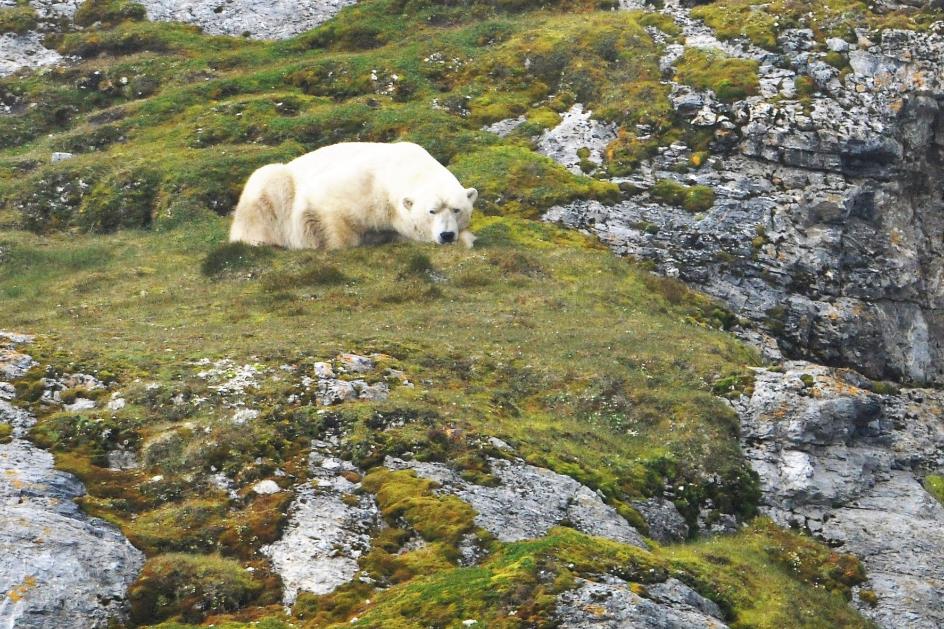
6, 433
192, 526
693, 198
762, 21
869, 597
740, 18
234, 256
261, 623
123, 199
108, 12
190, 587
934, 484
18, 19
734, 385
836, 60
516, 586
805, 86
883, 387
729, 78
403, 495
768, 577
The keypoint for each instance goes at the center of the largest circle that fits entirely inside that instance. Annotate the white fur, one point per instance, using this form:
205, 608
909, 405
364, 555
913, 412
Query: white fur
339, 195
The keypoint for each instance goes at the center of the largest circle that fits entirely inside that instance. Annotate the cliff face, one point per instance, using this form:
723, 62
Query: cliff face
828, 220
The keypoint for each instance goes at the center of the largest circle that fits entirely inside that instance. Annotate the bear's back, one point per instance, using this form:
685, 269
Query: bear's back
391, 165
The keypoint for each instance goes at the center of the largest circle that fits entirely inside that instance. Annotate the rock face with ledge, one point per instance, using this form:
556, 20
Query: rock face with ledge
845, 464
59, 568
828, 221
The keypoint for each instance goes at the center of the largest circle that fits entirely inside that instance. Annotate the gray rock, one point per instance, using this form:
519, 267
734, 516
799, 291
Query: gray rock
666, 524
576, 130
611, 604
280, 19
332, 392
59, 568
330, 526
528, 501
843, 463
504, 127
24, 51
60, 157
355, 363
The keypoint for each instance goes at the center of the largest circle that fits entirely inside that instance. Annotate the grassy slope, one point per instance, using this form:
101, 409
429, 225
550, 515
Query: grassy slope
586, 364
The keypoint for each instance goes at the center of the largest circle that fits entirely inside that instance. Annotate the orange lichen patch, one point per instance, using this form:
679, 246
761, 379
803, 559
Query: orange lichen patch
19, 592
14, 479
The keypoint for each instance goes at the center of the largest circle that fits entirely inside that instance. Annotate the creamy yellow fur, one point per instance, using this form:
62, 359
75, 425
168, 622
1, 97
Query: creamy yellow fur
339, 195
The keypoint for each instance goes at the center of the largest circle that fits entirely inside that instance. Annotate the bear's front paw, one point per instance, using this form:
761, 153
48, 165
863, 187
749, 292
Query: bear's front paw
467, 238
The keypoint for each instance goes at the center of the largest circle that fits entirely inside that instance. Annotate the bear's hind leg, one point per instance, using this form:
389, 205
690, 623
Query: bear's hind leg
264, 206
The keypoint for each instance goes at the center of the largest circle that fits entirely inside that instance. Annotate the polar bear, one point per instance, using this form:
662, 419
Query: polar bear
347, 194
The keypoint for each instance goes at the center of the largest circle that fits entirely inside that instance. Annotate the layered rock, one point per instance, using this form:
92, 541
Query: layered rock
845, 464
828, 220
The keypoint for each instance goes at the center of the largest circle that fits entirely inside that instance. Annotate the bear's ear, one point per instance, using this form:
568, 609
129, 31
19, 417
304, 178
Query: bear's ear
472, 193
407, 203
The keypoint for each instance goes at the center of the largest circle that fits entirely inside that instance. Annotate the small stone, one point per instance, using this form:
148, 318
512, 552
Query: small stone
266, 487
356, 363
80, 404
244, 415
837, 44
498, 444
60, 157
324, 370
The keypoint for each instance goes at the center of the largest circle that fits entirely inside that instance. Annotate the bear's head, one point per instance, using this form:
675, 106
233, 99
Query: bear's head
440, 218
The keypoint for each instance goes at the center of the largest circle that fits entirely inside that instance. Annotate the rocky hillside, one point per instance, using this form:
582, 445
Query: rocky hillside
534, 433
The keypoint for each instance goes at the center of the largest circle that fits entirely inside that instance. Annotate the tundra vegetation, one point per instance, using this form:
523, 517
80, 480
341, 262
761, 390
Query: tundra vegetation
583, 363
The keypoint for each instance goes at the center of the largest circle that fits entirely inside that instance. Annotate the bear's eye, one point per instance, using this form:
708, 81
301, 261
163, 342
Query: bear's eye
432, 211
456, 210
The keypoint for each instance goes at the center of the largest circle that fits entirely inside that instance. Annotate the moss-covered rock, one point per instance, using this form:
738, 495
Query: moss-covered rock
18, 19
693, 198
729, 78
190, 587
108, 12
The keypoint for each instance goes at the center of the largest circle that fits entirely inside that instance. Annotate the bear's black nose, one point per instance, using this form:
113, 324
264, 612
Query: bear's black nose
447, 237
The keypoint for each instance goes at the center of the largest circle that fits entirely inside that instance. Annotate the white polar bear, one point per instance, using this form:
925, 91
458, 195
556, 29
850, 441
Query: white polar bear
347, 194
